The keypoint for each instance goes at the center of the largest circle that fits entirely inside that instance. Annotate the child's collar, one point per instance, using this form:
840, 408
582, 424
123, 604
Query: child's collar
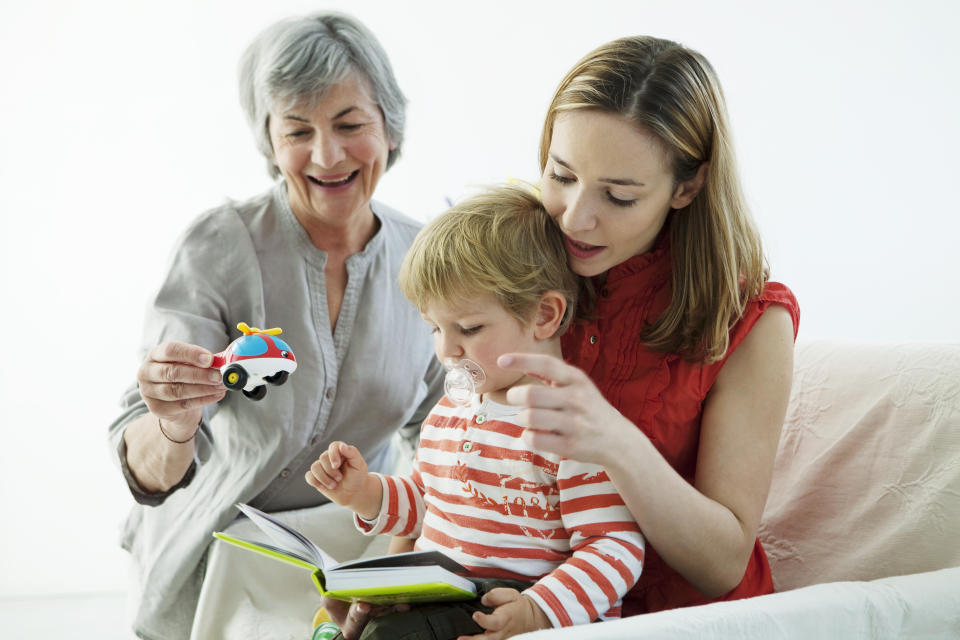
492, 409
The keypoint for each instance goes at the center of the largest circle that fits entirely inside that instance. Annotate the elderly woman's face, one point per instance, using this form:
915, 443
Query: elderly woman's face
331, 154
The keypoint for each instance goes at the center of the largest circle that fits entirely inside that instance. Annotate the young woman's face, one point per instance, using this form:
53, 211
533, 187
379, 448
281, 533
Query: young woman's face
331, 154
608, 185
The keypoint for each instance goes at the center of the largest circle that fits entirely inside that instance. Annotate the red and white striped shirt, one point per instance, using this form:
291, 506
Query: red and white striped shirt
478, 493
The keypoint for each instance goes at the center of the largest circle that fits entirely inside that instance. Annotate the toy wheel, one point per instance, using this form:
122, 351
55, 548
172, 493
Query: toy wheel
234, 377
257, 393
278, 378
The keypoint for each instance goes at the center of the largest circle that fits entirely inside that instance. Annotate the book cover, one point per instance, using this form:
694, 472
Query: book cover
417, 576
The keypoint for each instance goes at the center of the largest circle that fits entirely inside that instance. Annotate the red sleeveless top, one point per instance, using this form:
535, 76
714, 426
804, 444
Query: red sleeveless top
663, 395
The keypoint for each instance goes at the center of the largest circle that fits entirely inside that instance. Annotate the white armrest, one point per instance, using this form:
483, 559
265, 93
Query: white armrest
921, 605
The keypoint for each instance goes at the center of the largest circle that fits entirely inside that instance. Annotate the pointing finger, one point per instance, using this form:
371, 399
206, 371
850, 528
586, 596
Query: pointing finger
551, 370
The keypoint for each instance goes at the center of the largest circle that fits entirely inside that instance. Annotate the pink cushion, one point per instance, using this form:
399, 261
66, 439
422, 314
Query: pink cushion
867, 477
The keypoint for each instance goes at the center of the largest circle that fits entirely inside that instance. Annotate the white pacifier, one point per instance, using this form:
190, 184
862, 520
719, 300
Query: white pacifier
463, 378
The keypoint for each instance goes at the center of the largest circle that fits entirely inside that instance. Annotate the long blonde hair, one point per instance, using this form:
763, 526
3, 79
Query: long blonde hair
718, 262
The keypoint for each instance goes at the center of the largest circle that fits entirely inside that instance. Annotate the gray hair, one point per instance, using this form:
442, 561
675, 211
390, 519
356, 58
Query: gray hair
298, 59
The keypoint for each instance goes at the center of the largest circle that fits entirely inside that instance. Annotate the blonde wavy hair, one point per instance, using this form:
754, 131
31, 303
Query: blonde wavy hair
718, 262
500, 242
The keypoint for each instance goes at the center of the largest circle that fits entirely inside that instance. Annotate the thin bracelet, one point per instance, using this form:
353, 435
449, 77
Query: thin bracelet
160, 424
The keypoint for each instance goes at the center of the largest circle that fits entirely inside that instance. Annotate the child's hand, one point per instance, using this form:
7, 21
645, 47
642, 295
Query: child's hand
341, 474
513, 614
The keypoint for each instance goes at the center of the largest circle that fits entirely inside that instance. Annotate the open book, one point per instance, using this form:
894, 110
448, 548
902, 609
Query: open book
418, 576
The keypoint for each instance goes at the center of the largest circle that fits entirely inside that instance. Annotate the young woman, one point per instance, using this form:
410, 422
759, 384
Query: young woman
676, 380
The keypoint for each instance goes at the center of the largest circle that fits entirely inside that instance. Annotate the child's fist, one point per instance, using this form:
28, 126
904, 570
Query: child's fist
340, 473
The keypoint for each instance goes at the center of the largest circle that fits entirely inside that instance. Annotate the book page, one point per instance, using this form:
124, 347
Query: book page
409, 559
288, 538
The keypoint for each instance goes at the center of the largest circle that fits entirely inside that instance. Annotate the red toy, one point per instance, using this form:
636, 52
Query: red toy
254, 358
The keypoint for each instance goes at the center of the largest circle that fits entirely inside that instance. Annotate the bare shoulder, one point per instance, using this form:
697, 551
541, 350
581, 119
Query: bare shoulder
767, 350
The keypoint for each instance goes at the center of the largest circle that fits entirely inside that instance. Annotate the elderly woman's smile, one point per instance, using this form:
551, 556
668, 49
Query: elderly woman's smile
334, 182
331, 151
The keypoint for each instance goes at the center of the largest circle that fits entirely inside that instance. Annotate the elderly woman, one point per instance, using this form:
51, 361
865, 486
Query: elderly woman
314, 255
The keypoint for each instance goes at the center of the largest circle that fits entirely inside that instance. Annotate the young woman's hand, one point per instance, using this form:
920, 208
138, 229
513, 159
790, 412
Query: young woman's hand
566, 415
341, 475
513, 614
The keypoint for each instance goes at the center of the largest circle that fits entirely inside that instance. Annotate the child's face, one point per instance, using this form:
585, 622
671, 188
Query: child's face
480, 330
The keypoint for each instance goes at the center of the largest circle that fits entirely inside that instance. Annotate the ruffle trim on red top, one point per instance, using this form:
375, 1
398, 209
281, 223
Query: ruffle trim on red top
640, 288
773, 293
659, 383
657, 259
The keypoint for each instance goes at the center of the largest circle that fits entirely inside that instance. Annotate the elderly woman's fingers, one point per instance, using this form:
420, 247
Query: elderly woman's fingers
177, 401
356, 618
338, 610
155, 371
171, 387
181, 352
353, 617
179, 392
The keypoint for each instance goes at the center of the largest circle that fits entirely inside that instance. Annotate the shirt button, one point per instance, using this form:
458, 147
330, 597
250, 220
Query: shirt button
467, 446
480, 418
329, 393
593, 339
285, 473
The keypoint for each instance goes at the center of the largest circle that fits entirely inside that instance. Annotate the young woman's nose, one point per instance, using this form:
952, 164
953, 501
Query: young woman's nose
578, 214
327, 151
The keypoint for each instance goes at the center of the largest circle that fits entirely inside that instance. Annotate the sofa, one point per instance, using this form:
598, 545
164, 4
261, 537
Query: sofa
862, 524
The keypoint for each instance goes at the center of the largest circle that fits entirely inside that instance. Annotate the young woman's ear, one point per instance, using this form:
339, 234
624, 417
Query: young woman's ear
550, 311
687, 190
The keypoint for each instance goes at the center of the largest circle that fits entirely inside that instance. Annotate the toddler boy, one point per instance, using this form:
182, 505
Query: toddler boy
491, 277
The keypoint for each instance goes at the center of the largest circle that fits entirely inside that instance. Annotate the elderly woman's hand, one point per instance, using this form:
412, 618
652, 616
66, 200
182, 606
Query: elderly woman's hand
176, 382
353, 617
567, 415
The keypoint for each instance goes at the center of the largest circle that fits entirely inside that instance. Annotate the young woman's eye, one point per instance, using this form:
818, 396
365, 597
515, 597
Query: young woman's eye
561, 179
618, 202
469, 331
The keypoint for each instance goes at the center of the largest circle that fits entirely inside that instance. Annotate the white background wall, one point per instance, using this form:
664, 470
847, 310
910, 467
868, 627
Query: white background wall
119, 123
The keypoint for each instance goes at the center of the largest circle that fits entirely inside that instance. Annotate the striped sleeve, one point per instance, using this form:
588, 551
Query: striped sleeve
607, 547
401, 508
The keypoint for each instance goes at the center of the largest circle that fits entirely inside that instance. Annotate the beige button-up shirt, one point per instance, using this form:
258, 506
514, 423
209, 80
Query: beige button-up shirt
253, 262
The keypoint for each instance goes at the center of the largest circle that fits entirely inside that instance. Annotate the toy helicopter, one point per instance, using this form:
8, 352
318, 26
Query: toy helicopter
255, 358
